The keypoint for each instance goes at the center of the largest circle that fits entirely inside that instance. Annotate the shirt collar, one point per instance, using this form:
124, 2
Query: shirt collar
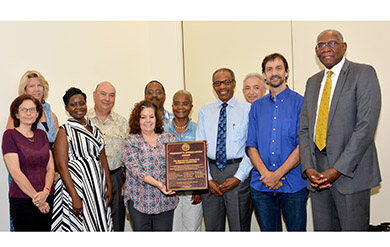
337, 68
92, 114
230, 102
172, 127
281, 96
166, 114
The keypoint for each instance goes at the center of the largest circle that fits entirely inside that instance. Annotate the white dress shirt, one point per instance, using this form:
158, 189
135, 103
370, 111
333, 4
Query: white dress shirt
335, 76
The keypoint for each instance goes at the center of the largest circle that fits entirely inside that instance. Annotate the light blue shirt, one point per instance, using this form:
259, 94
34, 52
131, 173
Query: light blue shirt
188, 134
237, 113
167, 116
52, 133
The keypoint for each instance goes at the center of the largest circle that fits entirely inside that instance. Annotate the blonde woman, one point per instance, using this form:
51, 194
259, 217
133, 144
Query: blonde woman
33, 82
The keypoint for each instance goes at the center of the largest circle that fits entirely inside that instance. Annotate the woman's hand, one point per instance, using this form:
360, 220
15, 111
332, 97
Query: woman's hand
123, 189
164, 190
108, 197
77, 206
196, 198
40, 198
44, 208
55, 177
154, 182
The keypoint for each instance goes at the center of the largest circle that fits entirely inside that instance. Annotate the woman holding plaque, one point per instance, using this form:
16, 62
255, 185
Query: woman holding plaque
188, 214
149, 204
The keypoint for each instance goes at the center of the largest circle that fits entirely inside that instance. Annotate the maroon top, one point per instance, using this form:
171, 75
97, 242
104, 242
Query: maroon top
33, 158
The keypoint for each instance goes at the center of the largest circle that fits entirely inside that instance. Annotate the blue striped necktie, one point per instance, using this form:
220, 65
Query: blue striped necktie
221, 139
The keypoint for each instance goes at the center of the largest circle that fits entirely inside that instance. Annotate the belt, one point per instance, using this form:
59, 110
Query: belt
229, 162
116, 170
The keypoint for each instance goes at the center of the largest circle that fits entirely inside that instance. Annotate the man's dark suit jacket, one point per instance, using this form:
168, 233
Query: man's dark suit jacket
353, 119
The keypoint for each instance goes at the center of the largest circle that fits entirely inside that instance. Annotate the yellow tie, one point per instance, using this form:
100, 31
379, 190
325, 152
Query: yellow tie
323, 113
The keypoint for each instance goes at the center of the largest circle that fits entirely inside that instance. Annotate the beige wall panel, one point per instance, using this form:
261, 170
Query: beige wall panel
240, 46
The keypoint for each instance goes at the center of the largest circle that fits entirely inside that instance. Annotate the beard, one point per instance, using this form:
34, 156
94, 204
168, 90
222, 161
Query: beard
275, 84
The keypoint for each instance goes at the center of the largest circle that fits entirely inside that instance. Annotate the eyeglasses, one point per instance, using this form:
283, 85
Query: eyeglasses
331, 44
151, 92
32, 110
225, 82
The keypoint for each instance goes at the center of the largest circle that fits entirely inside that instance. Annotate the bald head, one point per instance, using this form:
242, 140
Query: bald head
105, 84
339, 36
104, 97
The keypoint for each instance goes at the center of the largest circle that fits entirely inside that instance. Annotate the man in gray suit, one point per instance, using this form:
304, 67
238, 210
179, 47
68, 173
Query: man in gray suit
336, 140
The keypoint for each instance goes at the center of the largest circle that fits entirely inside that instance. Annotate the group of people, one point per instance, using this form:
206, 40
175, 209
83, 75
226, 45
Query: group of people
265, 154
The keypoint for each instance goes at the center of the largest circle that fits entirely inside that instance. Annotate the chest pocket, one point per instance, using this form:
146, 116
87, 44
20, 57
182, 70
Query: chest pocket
289, 130
240, 131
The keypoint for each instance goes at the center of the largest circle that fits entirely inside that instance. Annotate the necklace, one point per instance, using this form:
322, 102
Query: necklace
180, 127
30, 139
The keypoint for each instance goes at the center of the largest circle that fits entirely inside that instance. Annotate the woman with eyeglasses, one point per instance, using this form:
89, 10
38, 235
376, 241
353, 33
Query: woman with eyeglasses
33, 82
29, 160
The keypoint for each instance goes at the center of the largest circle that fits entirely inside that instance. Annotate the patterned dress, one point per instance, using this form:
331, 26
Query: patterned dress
89, 180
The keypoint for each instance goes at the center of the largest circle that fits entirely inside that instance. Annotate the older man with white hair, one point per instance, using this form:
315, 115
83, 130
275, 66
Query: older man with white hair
254, 87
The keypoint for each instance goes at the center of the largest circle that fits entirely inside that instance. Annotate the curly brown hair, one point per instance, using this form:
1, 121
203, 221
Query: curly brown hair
135, 116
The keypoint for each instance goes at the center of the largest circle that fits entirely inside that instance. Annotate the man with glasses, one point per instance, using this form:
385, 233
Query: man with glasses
155, 92
223, 123
338, 121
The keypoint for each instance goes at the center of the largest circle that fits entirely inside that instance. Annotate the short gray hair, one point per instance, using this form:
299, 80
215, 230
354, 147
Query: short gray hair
224, 70
183, 91
341, 38
258, 75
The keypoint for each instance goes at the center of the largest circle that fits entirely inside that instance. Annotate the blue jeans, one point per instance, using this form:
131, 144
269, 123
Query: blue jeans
268, 205
11, 223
